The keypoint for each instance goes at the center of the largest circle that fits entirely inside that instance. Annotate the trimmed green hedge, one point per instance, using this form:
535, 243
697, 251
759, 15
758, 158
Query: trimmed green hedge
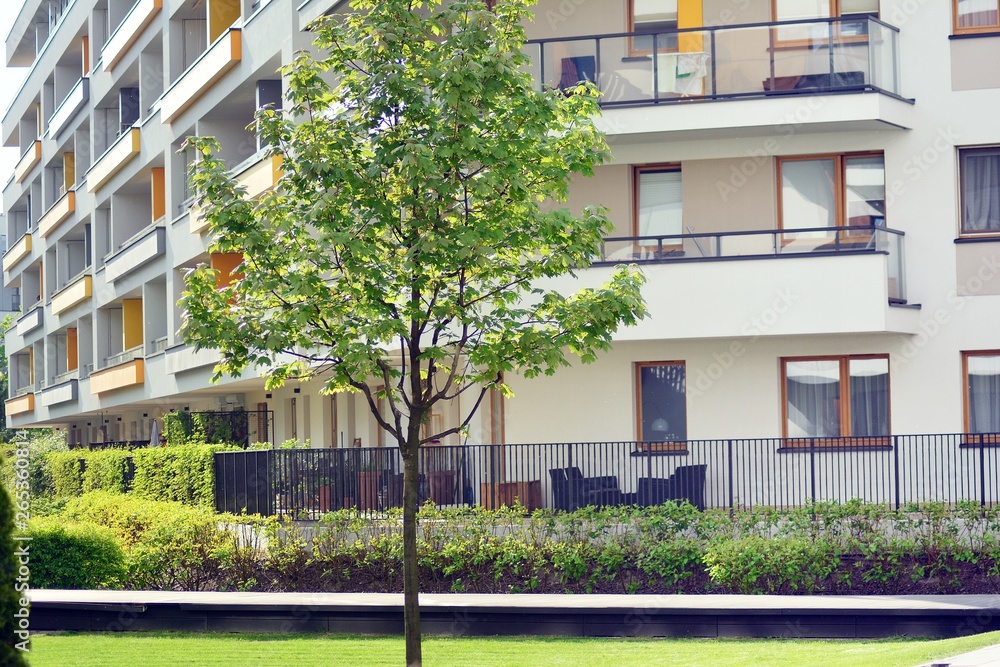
74, 555
185, 473
11, 590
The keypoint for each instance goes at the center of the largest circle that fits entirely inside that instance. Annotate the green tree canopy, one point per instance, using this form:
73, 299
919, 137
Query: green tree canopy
404, 251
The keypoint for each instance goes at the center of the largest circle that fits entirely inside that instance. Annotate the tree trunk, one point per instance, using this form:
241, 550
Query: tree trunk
411, 575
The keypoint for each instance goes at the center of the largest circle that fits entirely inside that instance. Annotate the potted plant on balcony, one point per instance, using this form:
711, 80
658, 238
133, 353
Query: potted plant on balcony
369, 476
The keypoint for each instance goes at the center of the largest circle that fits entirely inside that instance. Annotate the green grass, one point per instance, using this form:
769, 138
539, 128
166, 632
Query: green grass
246, 650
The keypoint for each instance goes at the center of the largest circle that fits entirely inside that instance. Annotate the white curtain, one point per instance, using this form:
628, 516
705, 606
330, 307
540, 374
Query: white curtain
984, 394
869, 397
812, 395
981, 196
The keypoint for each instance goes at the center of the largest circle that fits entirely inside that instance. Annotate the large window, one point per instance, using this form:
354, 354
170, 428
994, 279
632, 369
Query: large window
976, 16
660, 401
802, 10
980, 174
649, 17
658, 202
832, 191
982, 391
830, 397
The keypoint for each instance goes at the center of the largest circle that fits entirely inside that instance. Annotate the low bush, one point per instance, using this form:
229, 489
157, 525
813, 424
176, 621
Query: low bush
107, 470
74, 555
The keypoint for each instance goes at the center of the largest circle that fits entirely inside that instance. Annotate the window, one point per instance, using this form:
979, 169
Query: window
658, 205
801, 10
830, 397
971, 16
831, 191
649, 17
796, 10
982, 391
980, 184
661, 402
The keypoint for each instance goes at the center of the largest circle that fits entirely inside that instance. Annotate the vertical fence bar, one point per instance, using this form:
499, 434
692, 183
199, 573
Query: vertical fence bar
895, 465
982, 471
729, 456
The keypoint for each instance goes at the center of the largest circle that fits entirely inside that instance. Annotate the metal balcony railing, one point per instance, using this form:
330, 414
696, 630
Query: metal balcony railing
123, 357
853, 54
766, 243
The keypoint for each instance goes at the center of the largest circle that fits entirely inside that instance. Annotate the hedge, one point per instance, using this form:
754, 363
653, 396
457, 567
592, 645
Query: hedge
185, 473
829, 549
72, 555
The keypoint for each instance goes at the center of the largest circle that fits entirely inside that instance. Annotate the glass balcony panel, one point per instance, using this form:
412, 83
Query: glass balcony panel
846, 53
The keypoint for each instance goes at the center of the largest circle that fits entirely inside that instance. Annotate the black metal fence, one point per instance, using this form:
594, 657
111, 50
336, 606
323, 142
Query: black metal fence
239, 427
775, 472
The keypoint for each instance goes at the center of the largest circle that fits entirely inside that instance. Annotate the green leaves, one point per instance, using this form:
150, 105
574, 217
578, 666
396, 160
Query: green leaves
414, 222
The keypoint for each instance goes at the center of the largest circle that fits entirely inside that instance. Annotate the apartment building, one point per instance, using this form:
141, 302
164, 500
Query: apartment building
811, 187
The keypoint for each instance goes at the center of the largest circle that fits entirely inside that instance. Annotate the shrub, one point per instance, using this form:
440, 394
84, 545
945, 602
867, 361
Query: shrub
66, 469
10, 590
757, 564
74, 555
107, 470
184, 473
39, 443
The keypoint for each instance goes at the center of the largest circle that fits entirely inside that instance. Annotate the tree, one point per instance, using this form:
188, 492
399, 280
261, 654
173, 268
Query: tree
402, 253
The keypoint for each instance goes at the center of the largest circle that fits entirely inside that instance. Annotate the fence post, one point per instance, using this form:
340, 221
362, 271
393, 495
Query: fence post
895, 464
730, 451
982, 471
812, 469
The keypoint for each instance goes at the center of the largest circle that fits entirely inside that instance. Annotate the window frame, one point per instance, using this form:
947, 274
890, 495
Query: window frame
977, 30
962, 152
637, 171
630, 29
835, 13
653, 446
840, 183
843, 440
974, 438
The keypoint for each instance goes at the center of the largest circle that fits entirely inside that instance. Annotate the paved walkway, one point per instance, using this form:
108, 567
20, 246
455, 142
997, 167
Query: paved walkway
984, 657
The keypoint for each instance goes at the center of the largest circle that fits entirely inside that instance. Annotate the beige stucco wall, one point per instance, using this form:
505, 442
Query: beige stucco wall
610, 186
978, 268
729, 195
974, 63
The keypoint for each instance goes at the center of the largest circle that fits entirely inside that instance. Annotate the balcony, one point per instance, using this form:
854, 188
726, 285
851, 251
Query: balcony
74, 102
181, 358
784, 63
31, 157
130, 29
119, 375
75, 293
20, 405
258, 175
62, 389
221, 57
763, 283
135, 253
57, 214
125, 148
17, 252
28, 322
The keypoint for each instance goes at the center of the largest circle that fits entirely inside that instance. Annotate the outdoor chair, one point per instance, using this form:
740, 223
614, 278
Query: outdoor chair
572, 490
686, 483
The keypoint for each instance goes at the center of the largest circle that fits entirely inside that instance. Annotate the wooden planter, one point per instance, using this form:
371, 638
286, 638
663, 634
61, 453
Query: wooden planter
368, 487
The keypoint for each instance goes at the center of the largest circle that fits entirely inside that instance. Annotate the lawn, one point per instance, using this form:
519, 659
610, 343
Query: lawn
246, 650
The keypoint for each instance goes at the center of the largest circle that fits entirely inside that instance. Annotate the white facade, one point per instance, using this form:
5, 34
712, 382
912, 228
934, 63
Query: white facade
100, 227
